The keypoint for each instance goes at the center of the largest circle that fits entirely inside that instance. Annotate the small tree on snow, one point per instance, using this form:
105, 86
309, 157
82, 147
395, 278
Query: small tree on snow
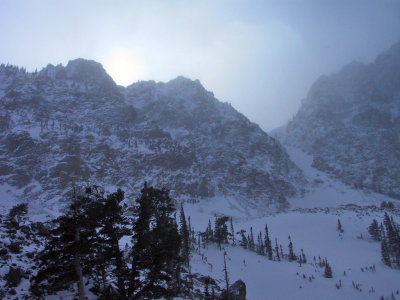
232, 233
267, 243
339, 226
278, 258
221, 230
226, 276
328, 270
244, 243
292, 256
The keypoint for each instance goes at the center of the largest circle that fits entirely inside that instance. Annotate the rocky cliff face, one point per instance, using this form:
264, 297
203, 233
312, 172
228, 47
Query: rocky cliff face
73, 125
350, 123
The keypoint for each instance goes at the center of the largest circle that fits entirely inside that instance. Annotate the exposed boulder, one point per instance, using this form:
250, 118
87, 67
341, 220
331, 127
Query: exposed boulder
237, 291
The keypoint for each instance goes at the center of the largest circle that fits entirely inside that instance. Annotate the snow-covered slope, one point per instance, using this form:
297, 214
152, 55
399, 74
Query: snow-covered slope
350, 256
312, 224
73, 125
350, 121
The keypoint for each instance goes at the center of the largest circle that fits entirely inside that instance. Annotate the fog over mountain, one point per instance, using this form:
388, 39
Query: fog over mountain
350, 123
260, 56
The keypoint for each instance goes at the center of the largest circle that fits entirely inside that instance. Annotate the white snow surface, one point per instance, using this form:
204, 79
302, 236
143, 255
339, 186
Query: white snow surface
312, 224
327, 191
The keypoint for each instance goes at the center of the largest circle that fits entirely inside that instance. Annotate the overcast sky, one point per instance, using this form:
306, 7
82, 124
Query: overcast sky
260, 56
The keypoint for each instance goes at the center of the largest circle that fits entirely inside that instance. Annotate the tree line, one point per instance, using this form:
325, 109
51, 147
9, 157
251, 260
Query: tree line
83, 248
388, 234
222, 233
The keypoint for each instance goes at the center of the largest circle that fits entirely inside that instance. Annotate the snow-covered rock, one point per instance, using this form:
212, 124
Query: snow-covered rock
73, 125
350, 124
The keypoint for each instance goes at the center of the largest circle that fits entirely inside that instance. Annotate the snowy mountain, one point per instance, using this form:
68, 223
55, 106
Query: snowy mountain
355, 258
73, 125
350, 124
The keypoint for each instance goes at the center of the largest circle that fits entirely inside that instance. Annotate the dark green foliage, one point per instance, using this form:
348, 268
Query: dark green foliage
251, 239
278, 258
244, 242
390, 244
292, 256
84, 242
209, 234
388, 234
260, 245
328, 270
111, 227
157, 245
232, 233
374, 230
221, 230
267, 242
184, 232
385, 252
68, 247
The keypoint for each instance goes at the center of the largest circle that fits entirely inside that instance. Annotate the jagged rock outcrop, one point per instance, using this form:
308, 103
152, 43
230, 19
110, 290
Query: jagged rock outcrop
350, 123
73, 125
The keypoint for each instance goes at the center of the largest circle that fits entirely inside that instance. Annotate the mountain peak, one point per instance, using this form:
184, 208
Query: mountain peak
186, 83
82, 69
350, 123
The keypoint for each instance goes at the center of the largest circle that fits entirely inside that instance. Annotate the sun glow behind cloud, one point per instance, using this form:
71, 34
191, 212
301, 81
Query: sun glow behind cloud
124, 66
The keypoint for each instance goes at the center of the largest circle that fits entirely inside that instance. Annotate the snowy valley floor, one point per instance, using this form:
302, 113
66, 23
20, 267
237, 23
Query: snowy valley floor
312, 224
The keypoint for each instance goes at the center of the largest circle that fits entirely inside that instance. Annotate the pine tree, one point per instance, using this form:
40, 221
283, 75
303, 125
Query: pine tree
192, 239
185, 237
303, 257
328, 270
268, 243
261, 246
157, 246
393, 238
292, 256
374, 231
112, 226
278, 258
232, 233
390, 232
339, 226
244, 242
251, 239
141, 240
66, 257
221, 230
226, 277
385, 252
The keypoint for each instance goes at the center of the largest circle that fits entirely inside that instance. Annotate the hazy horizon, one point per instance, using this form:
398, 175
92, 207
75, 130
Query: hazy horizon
260, 57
